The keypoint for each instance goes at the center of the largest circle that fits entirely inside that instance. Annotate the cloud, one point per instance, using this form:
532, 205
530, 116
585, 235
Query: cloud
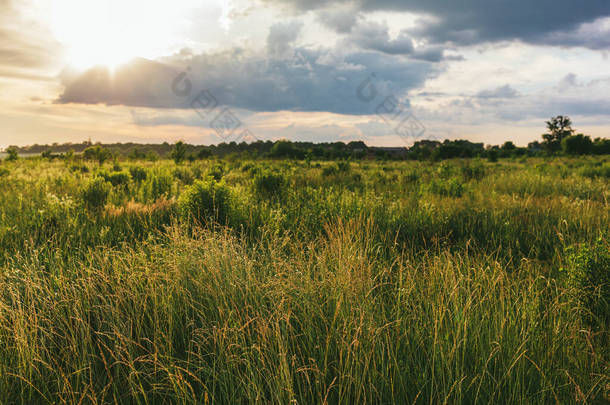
22, 51
282, 36
339, 19
505, 91
375, 36
467, 22
304, 80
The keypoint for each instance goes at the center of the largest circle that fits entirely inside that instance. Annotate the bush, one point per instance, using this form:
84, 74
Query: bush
475, 171
593, 172
577, 145
13, 155
138, 174
4, 171
269, 185
329, 171
97, 153
343, 166
207, 201
157, 186
446, 188
492, 155
116, 178
96, 192
587, 275
76, 168
216, 172
184, 174
179, 152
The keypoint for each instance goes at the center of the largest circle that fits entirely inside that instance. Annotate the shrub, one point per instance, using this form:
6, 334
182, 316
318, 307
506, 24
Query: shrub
587, 275
79, 168
593, 172
269, 185
343, 166
138, 174
12, 154
97, 153
206, 201
216, 172
446, 188
4, 171
577, 145
116, 178
96, 192
329, 171
179, 152
184, 174
475, 171
492, 155
157, 186
445, 170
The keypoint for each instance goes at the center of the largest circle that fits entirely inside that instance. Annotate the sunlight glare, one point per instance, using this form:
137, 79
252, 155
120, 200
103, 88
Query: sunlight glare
111, 32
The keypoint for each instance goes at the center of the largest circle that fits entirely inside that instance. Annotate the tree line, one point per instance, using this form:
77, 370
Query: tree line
560, 138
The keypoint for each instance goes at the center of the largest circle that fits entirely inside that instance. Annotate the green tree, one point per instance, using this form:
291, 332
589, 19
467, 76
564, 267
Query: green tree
12, 154
559, 127
97, 153
179, 152
577, 145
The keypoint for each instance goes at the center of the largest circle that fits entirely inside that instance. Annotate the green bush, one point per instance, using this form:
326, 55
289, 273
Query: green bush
116, 178
216, 172
593, 172
138, 174
474, 171
446, 188
76, 168
4, 171
156, 186
343, 166
207, 201
268, 184
329, 171
184, 174
96, 192
587, 275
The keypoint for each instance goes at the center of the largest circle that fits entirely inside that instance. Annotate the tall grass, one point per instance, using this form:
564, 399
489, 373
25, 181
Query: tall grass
364, 285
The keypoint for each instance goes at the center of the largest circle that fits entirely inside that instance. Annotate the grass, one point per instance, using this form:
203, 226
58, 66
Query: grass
367, 282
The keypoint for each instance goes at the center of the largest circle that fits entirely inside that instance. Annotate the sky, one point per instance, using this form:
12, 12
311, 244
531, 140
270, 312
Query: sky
389, 72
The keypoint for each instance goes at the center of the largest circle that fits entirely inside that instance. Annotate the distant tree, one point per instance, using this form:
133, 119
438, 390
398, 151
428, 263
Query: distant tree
179, 152
509, 145
601, 146
12, 154
283, 149
98, 153
577, 145
204, 153
559, 127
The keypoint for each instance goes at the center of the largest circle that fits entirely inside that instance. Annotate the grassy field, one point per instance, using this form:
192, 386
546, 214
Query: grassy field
236, 281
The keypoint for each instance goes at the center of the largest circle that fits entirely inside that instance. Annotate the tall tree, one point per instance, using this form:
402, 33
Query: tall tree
559, 127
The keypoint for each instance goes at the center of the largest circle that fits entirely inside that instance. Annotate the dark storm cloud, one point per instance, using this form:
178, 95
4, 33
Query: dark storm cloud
466, 22
375, 36
308, 80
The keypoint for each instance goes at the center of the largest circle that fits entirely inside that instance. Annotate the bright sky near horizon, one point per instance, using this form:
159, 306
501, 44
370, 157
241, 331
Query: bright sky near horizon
206, 71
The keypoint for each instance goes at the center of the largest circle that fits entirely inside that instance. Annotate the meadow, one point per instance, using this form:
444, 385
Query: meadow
295, 282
